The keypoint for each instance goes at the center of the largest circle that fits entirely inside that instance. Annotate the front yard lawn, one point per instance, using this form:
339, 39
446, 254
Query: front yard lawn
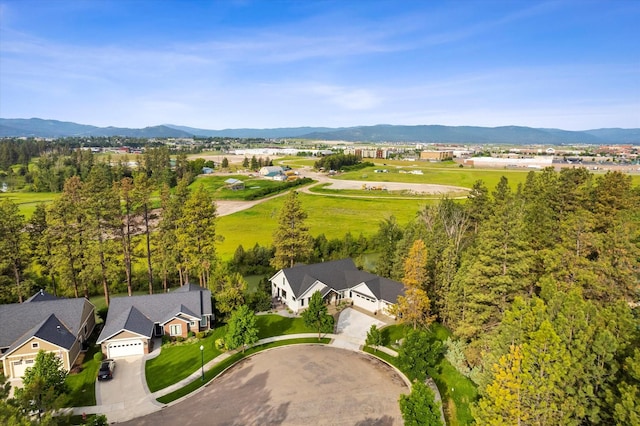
275, 325
177, 362
82, 386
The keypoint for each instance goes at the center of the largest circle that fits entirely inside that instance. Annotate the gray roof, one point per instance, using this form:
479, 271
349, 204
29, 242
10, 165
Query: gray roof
22, 320
341, 275
52, 330
42, 296
138, 314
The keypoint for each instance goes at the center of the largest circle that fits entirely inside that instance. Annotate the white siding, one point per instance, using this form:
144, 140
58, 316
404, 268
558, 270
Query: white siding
365, 302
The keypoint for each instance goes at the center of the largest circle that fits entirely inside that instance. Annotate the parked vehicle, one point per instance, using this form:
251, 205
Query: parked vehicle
106, 369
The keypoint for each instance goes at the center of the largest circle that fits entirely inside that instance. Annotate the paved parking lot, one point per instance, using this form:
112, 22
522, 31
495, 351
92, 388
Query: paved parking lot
294, 385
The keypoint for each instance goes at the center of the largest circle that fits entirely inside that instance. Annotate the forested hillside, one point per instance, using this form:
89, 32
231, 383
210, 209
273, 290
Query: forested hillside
537, 286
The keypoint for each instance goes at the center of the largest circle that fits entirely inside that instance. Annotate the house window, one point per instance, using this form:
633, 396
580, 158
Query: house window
302, 302
34, 345
193, 324
203, 321
284, 294
175, 330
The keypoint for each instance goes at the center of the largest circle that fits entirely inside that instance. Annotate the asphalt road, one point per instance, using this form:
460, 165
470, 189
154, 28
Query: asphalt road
294, 385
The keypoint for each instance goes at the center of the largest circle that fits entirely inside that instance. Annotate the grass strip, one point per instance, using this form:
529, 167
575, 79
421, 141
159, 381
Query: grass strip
222, 366
82, 385
181, 360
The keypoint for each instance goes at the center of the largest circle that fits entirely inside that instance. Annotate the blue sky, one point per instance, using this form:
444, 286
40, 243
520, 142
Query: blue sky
263, 64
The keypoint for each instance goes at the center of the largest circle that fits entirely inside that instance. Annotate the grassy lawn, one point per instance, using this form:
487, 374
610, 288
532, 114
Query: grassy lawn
180, 361
457, 391
184, 359
28, 201
82, 388
276, 325
219, 368
215, 184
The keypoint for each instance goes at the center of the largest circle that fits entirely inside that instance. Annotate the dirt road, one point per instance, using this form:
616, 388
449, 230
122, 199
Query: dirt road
226, 207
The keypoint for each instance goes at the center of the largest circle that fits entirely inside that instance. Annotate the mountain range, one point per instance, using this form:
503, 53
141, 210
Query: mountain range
36, 127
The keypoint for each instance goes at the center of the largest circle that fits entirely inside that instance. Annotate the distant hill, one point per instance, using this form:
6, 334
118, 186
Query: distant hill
36, 127
517, 135
282, 132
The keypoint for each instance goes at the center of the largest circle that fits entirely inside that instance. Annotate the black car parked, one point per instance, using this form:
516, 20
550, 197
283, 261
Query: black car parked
106, 369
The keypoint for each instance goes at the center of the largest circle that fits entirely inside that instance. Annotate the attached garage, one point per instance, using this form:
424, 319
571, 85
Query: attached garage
121, 348
20, 366
368, 303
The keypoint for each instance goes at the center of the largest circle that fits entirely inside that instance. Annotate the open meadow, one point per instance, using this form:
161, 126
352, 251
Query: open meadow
333, 212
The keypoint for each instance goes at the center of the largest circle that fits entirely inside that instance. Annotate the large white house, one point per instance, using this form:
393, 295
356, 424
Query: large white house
336, 281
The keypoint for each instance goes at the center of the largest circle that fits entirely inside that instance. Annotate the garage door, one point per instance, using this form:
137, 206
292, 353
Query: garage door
19, 367
125, 348
364, 302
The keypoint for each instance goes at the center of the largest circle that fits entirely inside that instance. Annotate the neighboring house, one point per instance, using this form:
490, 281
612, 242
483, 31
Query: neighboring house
43, 322
336, 281
133, 322
271, 171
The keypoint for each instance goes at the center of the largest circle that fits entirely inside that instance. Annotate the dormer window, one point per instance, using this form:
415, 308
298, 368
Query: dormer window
35, 345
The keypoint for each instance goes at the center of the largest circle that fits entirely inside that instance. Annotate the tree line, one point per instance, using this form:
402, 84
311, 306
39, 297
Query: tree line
540, 288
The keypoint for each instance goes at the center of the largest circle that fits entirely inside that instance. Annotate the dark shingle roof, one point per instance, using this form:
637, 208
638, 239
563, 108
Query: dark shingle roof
385, 289
340, 275
189, 299
42, 296
19, 319
52, 330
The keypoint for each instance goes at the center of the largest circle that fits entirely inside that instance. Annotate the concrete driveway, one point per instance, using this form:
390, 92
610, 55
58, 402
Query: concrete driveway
124, 397
354, 325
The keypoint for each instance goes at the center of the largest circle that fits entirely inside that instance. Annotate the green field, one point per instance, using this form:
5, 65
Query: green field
216, 185
27, 201
332, 216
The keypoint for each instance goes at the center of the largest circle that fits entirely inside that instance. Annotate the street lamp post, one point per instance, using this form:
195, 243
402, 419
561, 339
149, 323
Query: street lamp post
202, 353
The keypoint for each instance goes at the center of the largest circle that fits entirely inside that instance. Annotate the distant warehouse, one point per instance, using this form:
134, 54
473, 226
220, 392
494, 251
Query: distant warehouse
536, 162
436, 155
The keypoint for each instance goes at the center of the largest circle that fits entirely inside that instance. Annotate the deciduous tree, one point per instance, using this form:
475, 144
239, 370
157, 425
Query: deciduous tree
414, 307
419, 408
374, 337
242, 328
317, 316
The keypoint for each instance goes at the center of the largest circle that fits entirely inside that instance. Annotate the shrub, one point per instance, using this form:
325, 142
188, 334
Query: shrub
191, 334
102, 313
220, 345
